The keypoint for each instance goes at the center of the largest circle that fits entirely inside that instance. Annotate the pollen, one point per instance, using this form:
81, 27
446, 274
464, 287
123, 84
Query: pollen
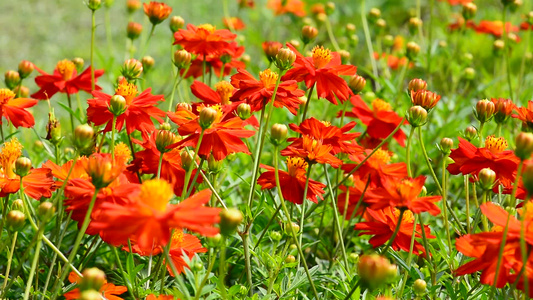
321, 56
494, 144
407, 218
381, 156
156, 193
10, 152
177, 237
207, 27
122, 153
65, 68
380, 105
225, 90
326, 123
6, 95
126, 90
268, 78
295, 164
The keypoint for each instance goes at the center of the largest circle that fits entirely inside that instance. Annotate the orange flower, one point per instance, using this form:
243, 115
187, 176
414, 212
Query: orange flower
108, 290
157, 12
204, 40
13, 109
296, 7
312, 151
457, 2
150, 218
503, 109
160, 297
495, 28
233, 22
525, 114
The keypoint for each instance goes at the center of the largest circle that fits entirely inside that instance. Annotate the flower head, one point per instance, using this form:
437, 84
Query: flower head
13, 109
157, 12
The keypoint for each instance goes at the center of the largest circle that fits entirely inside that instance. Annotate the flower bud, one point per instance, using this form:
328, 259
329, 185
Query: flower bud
470, 133
353, 257
25, 68
388, 40
524, 145
285, 58
345, 56
527, 178
321, 18
214, 241
412, 50
417, 116
230, 219
374, 270
417, 84
117, 105
446, 145
12, 79
467, 58
357, 83
381, 24
90, 295
529, 18
15, 220
486, 177
275, 235
309, 33
165, 126
350, 28
133, 5
148, 63
498, 47
214, 166
419, 287
183, 106
83, 137
94, 4
469, 73
349, 181
157, 12
182, 59
22, 166
290, 259
329, 8
414, 25
515, 5
278, 134
503, 108
295, 227
425, 98
469, 10
45, 211
21, 91
79, 63
244, 111
186, 160
134, 30
208, 115
53, 129
176, 23
484, 110
131, 69
17, 205
163, 139
93, 279
373, 15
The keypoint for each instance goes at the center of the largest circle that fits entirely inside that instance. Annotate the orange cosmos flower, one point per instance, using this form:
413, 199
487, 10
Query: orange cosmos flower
258, 93
382, 223
204, 40
525, 114
425, 98
495, 28
322, 68
271, 48
381, 120
312, 151
296, 7
160, 297
217, 62
108, 290
62, 172
157, 12
139, 109
503, 109
37, 183
150, 218
233, 23
64, 80
394, 62
14, 109
468, 159
292, 182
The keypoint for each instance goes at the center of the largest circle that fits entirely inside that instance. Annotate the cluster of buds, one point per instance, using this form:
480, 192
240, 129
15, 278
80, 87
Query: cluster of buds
131, 69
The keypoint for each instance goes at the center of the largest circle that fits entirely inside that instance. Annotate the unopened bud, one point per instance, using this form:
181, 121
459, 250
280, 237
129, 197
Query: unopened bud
182, 59
412, 50
486, 177
90, 295
45, 211
419, 287
214, 241
484, 110
93, 279
417, 84
425, 98
53, 129
134, 30
470, 133
176, 23
275, 235
381, 24
388, 40
186, 160
22, 166
132, 69
290, 259
350, 28
214, 166
271, 49
498, 47
374, 14
83, 137
12, 79
294, 226
25, 68
183, 106
94, 4
278, 134
446, 145
309, 33
133, 5
15, 220
414, 25
329, 8
117, 105
163, 139
17, 205
148, 63
353, 257
357, 83
79, 63
345, 56
244, 111
285, 58
417, 116
469, 10
207, 116
524, 145
375, 270
21, 91
165, 126
469, 73
230, 219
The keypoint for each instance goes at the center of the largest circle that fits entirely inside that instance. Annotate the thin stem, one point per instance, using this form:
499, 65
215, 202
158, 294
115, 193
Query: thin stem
483, 217
396, 230
369, 41
93, 29
409, 259
428, 253
195, 179
331, 35
445, 202
160, 164
247, 261
174, 86
408, 152
122, 273
204, 280
302, 217
34, 262
10, 258
430, 167
467, 199
148, 40
113, 131
352, 290
306, 107
70, 114
222, 267
189, 171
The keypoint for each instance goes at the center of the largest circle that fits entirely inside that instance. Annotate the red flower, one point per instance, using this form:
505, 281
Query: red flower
150, 218
312, 151
214, 61
382, 224
296, 7
157, 12
329, 135
64, 80
525, 114
204, 40
470, 160
258, 93
220, 139
495, 28
394, 62
323, 69
380, 121
526, 26
14, 109
233, 23
292, 182
271, 48
139, 109
108, 290
457, 2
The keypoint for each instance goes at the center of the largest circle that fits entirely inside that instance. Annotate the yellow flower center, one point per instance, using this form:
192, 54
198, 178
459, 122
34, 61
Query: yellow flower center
208, 27
380, 105
126, 90
381, 156
178, 237
321, 56
9, 154
494, 144
156, 193
407, 218
65, 68
326, 123
122, 153
6, 95
294, 164
225, 90
268, 78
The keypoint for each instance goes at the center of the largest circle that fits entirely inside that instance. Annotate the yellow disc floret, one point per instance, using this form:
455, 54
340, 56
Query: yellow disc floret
126, 90
156, 193
321, 56
6, 95
65, 68
225, 90
380, 105
268, 78
494, 144
9, 154
295, 165
208, 27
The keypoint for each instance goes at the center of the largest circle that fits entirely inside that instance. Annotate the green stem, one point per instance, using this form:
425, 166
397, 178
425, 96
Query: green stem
10, 259
189, 171
396, 230
221, 268
174, 86
122, 273
148, 40
430, 167
195, 179
408, 152
409, 260
204, 280
70, 114
523, 248
34, 262
369, 41
306, 107
467, 199
113, 131
352, 290
445, 202
483, 217
507, 56
247, 261
93, 29
304, 200
428, 254
331, 35
160, 164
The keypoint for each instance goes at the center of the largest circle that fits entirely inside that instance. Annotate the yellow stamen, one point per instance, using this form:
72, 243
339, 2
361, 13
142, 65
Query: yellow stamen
225, 90
9, 154
268, 78
156, 193
178, 236
381, 156
65, 68
6, 95
494, 144
126, 90
294, 164
321, 56
380, 105
326, 123
208, 27
408, 216
122, 153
